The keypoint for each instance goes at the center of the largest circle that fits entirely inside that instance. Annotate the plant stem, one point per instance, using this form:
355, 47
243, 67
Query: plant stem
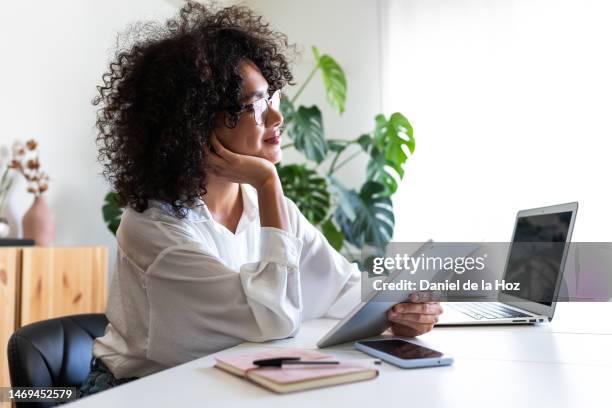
333, 168
333, 163
308, 79
341, 141
4, 175
287, 145
348, 159
5, 187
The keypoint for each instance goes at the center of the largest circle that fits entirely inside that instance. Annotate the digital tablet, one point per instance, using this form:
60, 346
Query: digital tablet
369, 318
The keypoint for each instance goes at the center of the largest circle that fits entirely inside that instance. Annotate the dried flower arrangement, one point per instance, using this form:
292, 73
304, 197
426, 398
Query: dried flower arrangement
25, 160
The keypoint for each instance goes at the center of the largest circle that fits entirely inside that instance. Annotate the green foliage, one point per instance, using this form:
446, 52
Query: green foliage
358, 218
333, 79
307, 189
392, 142
111, 212
305, 128
335, 237
348, 218
373, 219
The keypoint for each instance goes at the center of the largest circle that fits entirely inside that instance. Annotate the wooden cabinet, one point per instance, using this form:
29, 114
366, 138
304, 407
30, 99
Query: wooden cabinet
41, 283
9, 276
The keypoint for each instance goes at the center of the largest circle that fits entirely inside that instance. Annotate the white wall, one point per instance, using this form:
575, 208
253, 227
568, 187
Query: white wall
53, 56
510, 102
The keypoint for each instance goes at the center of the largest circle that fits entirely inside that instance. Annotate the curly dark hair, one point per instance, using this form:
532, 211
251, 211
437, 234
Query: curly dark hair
161, 95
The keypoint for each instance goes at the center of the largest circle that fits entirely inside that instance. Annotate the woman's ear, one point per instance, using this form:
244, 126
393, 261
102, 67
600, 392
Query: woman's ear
224, 120
228, 121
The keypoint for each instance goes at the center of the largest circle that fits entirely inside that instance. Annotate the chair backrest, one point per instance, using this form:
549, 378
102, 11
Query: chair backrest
54, 352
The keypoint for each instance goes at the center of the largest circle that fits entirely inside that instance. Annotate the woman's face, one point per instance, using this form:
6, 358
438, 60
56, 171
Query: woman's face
248, 137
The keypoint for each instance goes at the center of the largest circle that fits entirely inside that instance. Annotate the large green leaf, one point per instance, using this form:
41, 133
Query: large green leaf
333, 235
393, 140
378, 170
401, 134
374, 220
333, 79
347, 201
307, 190
306, 131
380, 130
111, 212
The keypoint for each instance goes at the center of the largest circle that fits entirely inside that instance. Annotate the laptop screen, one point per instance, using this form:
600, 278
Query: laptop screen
536, 254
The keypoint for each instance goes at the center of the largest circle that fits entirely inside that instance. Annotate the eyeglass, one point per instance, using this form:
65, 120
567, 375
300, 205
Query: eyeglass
261, 105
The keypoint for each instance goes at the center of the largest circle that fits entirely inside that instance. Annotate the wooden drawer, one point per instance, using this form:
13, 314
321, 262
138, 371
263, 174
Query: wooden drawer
62, 281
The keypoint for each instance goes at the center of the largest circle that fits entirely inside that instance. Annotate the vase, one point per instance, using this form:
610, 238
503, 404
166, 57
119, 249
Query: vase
5, 228
39, 223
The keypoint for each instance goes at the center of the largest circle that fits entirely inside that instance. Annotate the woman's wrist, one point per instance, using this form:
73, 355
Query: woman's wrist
272, 206
267, 179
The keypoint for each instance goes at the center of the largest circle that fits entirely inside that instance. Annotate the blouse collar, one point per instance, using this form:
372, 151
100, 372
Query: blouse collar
200, 211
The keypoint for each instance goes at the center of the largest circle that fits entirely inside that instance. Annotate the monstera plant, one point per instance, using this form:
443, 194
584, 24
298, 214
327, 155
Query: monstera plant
348, 218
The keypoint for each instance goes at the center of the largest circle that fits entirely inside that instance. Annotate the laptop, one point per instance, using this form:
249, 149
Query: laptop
536, 301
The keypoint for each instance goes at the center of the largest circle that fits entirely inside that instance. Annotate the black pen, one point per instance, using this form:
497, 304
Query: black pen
281, 361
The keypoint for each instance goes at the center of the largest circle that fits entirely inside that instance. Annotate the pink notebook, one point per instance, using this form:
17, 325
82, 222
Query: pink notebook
295, 378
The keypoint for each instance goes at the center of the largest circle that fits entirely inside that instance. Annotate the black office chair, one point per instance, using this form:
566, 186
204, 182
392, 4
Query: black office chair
54, 352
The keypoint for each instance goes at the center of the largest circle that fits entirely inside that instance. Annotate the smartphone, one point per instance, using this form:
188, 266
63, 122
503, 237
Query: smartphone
403, 353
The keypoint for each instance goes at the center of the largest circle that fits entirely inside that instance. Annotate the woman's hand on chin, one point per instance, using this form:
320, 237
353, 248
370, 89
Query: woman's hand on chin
415, 318
238, 168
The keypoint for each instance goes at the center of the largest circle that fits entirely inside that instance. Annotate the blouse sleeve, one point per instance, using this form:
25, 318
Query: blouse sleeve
330, 283
195, 300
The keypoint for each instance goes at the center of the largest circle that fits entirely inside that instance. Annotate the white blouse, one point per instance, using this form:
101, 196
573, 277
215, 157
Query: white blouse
184, 288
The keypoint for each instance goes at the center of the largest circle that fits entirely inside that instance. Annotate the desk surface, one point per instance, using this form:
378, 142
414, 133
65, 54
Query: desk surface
566, 363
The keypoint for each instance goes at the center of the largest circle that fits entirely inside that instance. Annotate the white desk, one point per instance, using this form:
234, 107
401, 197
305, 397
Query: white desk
567, 363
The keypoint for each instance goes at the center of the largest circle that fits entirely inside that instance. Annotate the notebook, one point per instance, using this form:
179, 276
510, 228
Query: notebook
295, 378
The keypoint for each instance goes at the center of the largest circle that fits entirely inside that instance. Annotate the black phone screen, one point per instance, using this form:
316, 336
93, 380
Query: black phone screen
402, 349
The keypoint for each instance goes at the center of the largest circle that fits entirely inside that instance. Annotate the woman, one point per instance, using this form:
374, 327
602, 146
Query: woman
210, 252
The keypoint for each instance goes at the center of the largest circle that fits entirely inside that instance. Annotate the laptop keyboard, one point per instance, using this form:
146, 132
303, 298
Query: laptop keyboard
486, 310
